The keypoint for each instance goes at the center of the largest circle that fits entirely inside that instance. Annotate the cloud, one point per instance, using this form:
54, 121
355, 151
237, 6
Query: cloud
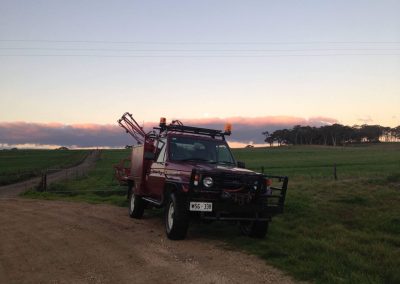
79, 135
365, 120
245, 130
249, 130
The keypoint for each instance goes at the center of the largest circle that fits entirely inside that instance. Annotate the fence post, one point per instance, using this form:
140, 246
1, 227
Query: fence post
43, 182
335, 172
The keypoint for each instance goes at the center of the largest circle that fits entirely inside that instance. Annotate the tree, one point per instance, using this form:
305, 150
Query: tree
333, 135
268, 138
371, 133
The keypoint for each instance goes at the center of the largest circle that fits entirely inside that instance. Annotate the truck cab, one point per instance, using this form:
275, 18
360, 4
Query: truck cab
192, 173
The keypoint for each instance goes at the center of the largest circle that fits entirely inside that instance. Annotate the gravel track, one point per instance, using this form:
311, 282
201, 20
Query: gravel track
66, 242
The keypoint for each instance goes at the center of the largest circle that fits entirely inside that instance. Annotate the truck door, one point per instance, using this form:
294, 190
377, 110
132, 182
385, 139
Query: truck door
156, 176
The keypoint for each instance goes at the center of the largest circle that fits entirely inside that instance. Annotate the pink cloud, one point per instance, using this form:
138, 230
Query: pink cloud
263, 121
249, 130
245, 130
82, 135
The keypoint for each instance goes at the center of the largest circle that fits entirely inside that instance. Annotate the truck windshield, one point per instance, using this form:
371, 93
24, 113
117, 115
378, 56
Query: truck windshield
192, 149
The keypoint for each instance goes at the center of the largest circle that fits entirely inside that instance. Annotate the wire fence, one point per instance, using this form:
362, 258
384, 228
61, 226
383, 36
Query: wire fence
82, 170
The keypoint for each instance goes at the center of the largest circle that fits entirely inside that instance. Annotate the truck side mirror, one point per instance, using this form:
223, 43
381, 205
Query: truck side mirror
149, 155
241, 165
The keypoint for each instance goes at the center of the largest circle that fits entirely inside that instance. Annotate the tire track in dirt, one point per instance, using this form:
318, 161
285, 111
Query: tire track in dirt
66, 242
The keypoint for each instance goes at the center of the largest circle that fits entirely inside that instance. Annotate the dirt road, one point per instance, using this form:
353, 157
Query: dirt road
15, 189
66, 242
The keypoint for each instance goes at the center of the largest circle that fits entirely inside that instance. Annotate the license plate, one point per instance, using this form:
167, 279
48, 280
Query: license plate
201, 206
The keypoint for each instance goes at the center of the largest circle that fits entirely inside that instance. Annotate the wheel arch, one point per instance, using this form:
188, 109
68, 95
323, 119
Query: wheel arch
170, 187
131, 184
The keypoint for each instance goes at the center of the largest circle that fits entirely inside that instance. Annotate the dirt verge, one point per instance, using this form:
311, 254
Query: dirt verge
66, 242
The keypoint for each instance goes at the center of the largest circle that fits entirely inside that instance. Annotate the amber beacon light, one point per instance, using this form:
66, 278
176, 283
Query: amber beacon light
228, 128
163, 122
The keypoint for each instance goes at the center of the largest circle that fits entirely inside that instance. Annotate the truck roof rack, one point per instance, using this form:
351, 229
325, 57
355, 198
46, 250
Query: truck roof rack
196, 130
137, 132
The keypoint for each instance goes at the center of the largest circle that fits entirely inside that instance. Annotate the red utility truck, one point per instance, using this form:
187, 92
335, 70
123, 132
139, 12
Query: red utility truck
192, 173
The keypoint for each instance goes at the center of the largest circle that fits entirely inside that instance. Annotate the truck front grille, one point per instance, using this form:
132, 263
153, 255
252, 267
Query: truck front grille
229, 181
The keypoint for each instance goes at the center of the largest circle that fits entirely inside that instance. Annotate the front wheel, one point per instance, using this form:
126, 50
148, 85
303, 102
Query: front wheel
136, 206
255, 229
176, 218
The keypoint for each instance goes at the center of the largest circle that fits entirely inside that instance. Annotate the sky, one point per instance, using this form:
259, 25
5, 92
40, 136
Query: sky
74, 67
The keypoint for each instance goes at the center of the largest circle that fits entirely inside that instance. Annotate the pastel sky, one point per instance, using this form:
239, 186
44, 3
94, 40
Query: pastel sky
68, 63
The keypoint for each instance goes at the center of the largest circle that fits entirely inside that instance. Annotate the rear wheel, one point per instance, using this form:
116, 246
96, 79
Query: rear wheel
255, 229
136, 206
176, 218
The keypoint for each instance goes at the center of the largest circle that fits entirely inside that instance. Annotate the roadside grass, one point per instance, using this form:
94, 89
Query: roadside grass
330, 232
92, 198
21, 165
344, 231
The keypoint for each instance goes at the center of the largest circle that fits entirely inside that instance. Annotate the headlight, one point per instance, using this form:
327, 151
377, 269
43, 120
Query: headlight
255, 185
208, 182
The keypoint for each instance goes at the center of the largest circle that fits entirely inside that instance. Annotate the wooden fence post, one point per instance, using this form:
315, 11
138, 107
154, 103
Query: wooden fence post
335, 172
43, 182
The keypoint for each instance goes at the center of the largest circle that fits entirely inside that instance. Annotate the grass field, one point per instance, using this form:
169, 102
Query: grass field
99, 179
20, 165
317, 161
344, 231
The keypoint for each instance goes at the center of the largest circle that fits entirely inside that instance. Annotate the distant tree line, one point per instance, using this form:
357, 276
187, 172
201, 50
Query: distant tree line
332, 135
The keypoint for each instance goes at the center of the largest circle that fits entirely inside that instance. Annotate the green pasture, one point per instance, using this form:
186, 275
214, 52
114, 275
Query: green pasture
19, 165
343, 231
318, 161
99, 179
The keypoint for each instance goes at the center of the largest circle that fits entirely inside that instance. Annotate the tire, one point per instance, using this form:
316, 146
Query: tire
136, 206
254, 229
176, 218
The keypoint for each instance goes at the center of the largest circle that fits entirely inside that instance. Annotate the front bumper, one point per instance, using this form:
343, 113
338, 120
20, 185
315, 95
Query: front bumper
241, 206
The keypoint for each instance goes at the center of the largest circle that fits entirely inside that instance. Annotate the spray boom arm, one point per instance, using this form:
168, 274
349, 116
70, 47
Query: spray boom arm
133, 128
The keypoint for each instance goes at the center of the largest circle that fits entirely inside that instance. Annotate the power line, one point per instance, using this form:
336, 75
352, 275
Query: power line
199, 50
200, 42
193, 56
